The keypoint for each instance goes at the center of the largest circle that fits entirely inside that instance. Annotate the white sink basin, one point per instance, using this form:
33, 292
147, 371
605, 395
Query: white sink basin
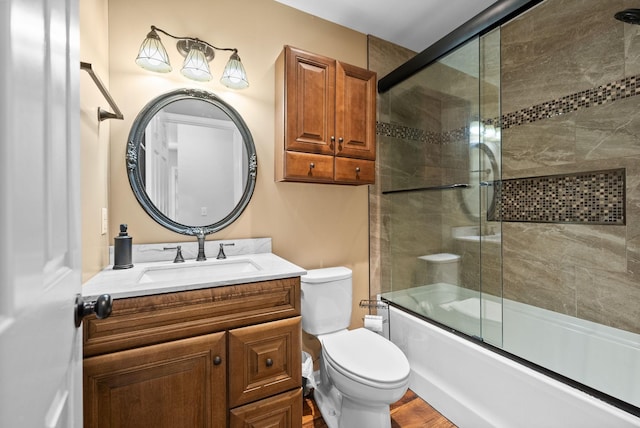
211, 270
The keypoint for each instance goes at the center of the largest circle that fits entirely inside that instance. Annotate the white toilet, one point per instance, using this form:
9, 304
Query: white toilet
361, 372
442, 268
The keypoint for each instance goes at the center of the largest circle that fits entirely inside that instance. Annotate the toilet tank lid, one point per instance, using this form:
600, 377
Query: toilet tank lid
440, 258
326, 274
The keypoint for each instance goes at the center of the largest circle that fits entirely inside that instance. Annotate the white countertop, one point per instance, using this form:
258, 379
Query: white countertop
122, 283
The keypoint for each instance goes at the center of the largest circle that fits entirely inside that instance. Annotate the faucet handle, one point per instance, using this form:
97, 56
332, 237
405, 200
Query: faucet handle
221, 254
179, 258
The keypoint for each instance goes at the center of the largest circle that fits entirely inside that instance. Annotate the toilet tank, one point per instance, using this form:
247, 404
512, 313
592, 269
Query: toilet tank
326, 300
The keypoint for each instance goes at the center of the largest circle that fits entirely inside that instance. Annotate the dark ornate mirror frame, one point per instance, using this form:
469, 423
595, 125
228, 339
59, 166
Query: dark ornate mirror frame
136, 137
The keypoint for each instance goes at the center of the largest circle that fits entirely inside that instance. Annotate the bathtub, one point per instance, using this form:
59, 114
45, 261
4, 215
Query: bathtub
476, 387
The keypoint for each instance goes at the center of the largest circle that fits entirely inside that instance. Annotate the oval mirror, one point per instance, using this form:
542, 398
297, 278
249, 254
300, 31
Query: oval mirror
191, 161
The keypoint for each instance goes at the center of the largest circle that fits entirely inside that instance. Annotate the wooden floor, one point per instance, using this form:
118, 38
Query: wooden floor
409, 412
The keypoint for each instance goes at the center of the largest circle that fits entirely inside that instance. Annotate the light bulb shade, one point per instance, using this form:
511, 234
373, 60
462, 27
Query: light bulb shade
234, 76
152, 55
196, 66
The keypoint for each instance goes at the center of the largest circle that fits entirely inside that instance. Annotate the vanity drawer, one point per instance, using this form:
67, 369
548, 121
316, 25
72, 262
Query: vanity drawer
264, 360
147, 320
308, 167
355, 171
283, 410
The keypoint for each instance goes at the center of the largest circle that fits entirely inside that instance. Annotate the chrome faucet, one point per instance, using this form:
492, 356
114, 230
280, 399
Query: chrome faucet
221, 254
201, 257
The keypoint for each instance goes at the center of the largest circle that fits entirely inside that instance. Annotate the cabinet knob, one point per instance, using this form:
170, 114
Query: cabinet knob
217, 360
340, 140
312, 165
269, 362
357, 169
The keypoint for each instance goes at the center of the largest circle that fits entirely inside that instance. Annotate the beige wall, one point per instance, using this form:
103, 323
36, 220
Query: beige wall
311, 225
94, 135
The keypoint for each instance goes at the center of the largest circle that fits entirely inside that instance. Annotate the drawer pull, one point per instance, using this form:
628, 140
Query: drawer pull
312, 165
357, 170
217, 360
269, 362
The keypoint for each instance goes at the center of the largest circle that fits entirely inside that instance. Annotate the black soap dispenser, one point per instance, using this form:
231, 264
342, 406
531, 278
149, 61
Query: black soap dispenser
122, 249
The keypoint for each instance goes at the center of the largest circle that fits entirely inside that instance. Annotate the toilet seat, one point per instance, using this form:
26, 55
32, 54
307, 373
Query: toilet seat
367, 358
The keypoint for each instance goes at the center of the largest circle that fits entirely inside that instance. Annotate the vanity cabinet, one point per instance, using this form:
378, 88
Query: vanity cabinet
326, 120
217, 357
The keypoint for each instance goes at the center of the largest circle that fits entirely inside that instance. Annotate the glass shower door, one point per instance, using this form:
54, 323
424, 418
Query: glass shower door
437, 185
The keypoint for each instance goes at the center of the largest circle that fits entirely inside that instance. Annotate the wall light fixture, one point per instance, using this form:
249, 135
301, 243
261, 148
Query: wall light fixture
198, 53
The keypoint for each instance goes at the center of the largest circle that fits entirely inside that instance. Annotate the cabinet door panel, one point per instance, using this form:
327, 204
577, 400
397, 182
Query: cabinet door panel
310, 104
264, 360
355, 112
282, 411
174, 384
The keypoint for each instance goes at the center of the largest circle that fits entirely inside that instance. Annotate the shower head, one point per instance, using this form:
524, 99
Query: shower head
630, 16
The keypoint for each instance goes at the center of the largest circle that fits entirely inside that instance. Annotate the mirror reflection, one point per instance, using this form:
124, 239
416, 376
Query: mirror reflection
191, 161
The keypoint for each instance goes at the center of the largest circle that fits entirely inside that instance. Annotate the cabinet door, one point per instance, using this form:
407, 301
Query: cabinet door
264, 360
310, 102
284, 410
170, 385
355, 112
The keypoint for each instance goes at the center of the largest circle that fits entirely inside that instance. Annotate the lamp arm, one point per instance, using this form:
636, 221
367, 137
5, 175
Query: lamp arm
153, 27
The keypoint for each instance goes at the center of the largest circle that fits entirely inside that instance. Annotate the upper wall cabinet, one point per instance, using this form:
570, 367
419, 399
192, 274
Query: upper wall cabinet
326, 120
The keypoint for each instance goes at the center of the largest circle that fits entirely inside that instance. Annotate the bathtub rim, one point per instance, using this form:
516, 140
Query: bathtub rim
609, 399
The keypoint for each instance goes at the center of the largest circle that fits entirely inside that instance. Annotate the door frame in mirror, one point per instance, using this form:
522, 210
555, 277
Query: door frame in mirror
136, 137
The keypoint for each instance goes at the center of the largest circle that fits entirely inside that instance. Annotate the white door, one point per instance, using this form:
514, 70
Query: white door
40, 347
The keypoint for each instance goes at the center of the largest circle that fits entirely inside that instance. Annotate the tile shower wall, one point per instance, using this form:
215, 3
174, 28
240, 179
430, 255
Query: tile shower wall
568, 86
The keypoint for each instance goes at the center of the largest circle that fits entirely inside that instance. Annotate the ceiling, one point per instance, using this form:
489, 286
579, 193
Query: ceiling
413, 24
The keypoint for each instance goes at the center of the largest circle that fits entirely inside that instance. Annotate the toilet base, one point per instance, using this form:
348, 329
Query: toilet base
356, 414
339, 411
329, 402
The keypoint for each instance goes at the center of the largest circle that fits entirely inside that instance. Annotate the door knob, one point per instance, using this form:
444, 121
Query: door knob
101, 307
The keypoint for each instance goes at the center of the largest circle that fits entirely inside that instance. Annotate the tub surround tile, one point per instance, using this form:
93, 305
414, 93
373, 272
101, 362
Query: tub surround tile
557, 245
631, 45
609, 131
560, 47
604, 297
532, 147
536, 283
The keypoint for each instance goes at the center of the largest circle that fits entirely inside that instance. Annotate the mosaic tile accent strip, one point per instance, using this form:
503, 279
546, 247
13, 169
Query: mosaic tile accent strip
415, 134
617, 90
613, 91
596, 197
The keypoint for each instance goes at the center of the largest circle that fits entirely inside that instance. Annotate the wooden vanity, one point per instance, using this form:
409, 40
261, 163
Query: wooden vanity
227, 356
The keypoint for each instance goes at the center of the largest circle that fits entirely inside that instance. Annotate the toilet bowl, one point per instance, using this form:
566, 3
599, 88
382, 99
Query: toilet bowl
361, 372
